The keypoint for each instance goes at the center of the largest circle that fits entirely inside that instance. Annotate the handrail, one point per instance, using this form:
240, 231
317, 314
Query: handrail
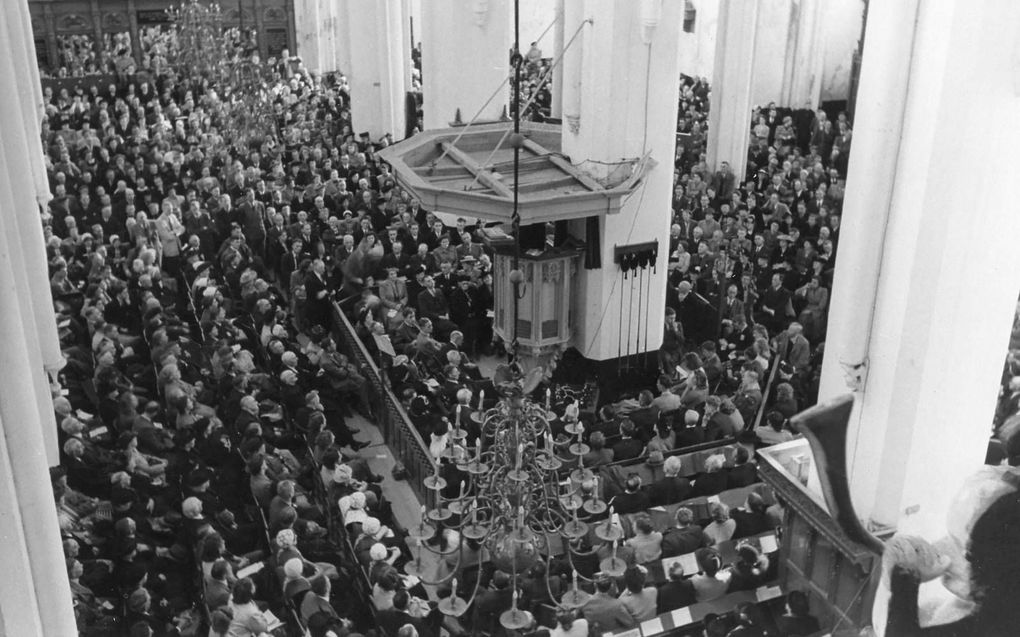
766, 392
399, 432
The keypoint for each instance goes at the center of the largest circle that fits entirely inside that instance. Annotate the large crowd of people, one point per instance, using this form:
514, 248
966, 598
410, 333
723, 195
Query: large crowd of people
206, 451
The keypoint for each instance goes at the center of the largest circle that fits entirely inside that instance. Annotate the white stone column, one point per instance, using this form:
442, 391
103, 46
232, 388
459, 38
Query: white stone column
376, 31
729, 117
331, 35
937, 100
342, 50
21, 141
465, 59
623, 54
559, 41
34, 593
574, 15
805, 56
308, 31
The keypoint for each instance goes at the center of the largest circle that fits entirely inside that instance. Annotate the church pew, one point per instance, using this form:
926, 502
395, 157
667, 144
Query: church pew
682, 621
767, 543
664, 517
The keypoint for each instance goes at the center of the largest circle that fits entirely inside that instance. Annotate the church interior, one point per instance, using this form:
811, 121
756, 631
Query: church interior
402, 318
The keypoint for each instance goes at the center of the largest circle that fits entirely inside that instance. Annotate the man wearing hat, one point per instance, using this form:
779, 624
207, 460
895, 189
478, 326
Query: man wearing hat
462, 310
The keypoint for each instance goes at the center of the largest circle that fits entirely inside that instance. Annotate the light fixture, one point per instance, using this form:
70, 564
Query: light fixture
513, 501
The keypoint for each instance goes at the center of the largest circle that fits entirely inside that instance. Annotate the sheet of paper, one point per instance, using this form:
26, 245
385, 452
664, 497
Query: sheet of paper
690, 563
768, 543
652, 627
712, 498
250, 570
682, 617
382, 341
768, 592
663, 509
273, 621
98, 431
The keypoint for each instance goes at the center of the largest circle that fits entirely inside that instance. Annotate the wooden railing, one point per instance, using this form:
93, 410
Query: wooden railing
398, 431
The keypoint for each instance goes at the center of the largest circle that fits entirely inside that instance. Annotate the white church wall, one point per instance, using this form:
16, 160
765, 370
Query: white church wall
841, 20
536, 16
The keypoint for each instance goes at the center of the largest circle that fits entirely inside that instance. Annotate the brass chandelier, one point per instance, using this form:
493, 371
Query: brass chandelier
517, 500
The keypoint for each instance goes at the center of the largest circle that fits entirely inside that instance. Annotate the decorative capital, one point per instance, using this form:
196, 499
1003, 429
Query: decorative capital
855, 374
573, 123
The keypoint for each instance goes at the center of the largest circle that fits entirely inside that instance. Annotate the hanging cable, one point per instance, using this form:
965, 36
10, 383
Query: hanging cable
515, 218
487, 102
542, 81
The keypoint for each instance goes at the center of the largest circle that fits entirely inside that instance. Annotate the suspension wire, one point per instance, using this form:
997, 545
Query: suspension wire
487, 102
465, 128
515, 218
541, 82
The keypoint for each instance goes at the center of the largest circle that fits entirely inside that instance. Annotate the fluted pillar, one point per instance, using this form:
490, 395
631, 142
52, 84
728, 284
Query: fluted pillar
729, 116
805, 56
34, 592
465, 58
376, 31
559, 41
630, 49
924, 296
22, 144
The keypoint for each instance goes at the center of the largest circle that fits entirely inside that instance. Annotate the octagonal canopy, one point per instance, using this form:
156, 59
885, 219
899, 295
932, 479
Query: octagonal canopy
465, 177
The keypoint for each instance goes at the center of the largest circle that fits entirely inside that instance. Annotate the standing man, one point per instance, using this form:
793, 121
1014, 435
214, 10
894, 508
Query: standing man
317, 308
169, 230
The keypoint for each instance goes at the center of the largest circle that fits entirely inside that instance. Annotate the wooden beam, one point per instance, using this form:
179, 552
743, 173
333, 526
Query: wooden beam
483, 176
564, 165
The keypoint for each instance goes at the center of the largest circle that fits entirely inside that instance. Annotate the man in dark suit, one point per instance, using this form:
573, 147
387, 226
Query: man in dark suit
676, 593
692, 433
752, 519
462, 308
628, 447
672, 488
432, 304
774, 304
398, 259
633, 499
493, 602
317, 309
685, 537
392, 619
744, 473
